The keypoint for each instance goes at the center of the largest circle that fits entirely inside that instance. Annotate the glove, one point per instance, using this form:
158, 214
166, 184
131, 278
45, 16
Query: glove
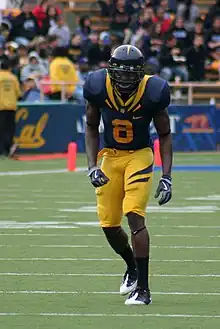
164, 189
97, 177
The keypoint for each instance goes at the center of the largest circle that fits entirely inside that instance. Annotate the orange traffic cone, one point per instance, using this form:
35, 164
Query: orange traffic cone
157, 157
71, 156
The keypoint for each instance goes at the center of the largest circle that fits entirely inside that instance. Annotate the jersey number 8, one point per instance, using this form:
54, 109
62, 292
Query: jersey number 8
122, 131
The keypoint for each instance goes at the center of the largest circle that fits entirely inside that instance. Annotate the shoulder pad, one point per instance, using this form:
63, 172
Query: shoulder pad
94, 86
158, 92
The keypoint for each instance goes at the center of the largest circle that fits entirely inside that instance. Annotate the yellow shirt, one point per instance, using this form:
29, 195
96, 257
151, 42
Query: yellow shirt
9, 91
63, 70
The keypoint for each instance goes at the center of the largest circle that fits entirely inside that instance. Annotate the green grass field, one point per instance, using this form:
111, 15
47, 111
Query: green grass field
57, 271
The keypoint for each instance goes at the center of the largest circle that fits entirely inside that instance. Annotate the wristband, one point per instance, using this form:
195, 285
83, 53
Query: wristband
167, 179
91, 170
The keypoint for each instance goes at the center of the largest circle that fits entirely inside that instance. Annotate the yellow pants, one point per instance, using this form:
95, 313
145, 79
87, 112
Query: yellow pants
128, 190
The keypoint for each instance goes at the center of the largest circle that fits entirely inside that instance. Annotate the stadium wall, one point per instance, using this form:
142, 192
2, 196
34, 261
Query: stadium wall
49, 127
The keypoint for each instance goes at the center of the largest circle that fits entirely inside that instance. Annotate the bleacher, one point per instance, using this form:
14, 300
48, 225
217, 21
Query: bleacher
90, 7
200, 93
82, 7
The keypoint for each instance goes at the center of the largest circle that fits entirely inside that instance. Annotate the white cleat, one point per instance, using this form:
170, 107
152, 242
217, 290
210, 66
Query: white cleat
129, 283
139, 297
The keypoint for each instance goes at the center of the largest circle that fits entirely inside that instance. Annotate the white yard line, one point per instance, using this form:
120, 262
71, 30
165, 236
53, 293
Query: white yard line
16, 201
69, 259
54, 292
39, 172
75, 202
117, 315
51, 246
101, 235
105, 275
8, 224
153, 209
51, 235
32, 172
99, 246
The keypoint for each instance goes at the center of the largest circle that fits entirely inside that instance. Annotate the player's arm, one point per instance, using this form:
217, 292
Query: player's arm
162, 125
92, 145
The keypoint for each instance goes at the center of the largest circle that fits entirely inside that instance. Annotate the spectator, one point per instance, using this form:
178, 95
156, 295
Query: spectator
162, 19
5, 31
63, 70
213, 40
10, 93
189, 11
121, 17
3, 56
83, 69
197, 30
53, 42
149, 14
11, 52
93, 51
50, 20
41, 12
25, 26
171, 61
41, 46
61, 30
142, 38
104, 44
34, 69
98, 50
23, 56
195, 58
179, 32
84, 28
106, 7
31, 91
156, 40
75, 49
213, 12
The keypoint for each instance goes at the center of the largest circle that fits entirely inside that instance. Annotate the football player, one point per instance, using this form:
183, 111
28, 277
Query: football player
127, 100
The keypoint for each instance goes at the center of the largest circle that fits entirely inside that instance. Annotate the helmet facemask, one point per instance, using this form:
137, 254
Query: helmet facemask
125, 78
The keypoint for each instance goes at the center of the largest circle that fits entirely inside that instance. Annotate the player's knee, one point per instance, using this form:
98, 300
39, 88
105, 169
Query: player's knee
135, 222
116, 238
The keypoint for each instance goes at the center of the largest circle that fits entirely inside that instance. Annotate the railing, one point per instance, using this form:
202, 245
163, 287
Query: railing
50, 83
190, 86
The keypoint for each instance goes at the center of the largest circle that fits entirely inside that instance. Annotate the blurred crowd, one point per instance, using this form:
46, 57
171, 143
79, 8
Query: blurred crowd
41, 49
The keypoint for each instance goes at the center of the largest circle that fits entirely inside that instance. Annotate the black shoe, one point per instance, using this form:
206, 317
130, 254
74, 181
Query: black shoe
139, 297
129, 282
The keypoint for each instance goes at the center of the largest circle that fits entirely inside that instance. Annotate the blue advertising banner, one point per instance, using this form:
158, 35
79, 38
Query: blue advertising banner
193, 127
49, 127
218, 125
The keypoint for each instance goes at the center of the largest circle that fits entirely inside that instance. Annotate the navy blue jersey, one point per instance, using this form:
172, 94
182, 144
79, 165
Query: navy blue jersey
126, 123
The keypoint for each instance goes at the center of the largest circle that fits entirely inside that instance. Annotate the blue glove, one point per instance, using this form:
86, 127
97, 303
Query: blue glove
164, 190
97, 177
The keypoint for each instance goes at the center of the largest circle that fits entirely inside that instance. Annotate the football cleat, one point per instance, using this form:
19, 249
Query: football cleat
129, 282
139, 297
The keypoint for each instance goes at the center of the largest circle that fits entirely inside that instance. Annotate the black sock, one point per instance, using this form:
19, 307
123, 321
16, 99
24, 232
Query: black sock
143, 269
128, 256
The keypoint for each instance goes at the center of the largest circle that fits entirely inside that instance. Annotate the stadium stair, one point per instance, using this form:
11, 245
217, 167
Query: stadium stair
87, 7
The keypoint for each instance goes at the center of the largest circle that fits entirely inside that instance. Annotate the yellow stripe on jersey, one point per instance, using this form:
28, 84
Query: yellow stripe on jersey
108, 103
140, 92
132, 101
110, 92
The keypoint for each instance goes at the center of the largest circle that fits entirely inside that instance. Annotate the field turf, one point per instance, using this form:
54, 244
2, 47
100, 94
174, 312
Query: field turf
57, 271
